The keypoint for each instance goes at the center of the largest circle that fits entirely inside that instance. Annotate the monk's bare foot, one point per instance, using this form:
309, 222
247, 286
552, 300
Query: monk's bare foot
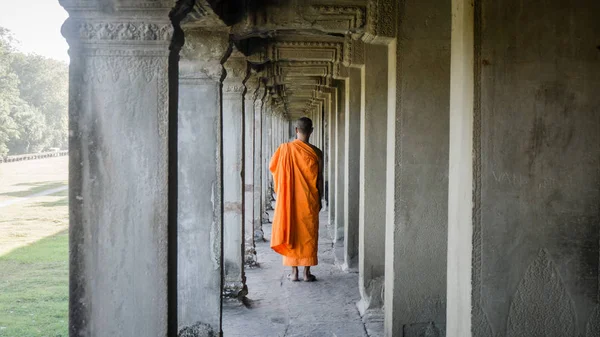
294, 275
308, 277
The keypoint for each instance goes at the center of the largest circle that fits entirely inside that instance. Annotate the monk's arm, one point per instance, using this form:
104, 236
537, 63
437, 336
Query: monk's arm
320, 180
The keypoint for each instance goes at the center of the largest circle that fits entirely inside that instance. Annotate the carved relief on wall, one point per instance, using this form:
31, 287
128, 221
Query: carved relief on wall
593, 325
124, 31
541, 306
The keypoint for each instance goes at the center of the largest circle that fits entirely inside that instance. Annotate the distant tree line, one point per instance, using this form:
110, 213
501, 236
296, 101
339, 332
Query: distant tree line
33, 100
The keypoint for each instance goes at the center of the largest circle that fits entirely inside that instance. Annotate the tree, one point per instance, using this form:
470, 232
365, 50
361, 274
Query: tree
9, 91
44, 85
33, 100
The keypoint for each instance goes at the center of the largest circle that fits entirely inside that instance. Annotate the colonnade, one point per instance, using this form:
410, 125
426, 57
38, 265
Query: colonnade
461, 157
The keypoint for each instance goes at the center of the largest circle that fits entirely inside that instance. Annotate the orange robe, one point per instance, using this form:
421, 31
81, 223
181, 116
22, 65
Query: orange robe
295, 232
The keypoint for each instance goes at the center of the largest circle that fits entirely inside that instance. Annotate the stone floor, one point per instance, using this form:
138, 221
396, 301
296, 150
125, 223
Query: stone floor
278, 307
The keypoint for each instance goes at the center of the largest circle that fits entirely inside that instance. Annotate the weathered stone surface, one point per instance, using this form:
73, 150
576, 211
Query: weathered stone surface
372, 178
277, 307
340, 153
416, 233
118, 111
352, 167
200, 220
233, 173
535, 171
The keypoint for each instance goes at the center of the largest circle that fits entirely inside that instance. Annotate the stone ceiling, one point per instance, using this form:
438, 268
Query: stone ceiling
297, 47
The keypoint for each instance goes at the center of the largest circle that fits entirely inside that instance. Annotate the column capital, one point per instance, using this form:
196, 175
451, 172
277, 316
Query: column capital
236, 68
203, 53
98, 26
252, 84
356, 52
381, 21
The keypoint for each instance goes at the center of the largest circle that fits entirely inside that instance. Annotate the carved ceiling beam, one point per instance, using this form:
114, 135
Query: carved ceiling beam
381, 21
350, 18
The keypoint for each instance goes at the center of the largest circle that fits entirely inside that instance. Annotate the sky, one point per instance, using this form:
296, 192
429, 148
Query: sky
36, 24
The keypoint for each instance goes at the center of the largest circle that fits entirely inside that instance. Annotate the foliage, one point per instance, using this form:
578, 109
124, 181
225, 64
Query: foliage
33, 100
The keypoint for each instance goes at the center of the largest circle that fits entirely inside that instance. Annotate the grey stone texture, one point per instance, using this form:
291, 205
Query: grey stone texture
340, 153
277, 307
233, 174
416, 234
352, 166
331, 111
537, 186
373, 140
248, 142
200, 220
118, 122
535, 170
258, 164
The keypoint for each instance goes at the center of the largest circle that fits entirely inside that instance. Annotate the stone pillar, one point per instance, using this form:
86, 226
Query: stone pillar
233, 174
250, 97
373, 144
267, 197
524, 181
416, 233
340, 151
356, 93
200, 220
118, 140
332, 113
258, 163
325, 149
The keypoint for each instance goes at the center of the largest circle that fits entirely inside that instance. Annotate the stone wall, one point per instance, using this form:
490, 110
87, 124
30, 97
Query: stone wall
537, 182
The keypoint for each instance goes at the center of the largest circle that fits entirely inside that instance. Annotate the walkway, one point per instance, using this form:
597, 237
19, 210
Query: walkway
277, 307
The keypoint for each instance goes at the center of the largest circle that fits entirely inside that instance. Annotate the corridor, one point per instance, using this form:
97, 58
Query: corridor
460, 146
277, 307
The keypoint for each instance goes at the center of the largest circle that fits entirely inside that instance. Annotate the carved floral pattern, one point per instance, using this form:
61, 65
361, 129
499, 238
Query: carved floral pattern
113, 68
593, 325
125, 31
541, 305
357, 14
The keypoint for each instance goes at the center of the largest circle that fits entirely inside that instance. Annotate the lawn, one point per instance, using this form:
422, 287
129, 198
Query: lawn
34, 289
34, 248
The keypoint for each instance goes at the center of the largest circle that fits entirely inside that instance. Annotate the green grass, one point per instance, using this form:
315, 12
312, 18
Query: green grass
34, 289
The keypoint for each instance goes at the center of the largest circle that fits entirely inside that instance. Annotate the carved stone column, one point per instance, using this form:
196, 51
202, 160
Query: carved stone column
340, 121
200, 222
118, 141
267, 154
417, 169
372, 203
233, 174
331, 110
259, 107
252, 84
356, 99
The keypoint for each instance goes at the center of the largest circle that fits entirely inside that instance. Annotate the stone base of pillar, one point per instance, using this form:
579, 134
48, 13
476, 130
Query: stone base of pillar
372, 296
374, 322
197, 330
235, 289
250, 258
259, 234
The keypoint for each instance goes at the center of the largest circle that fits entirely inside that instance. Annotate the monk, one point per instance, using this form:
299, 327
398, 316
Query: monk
297, 169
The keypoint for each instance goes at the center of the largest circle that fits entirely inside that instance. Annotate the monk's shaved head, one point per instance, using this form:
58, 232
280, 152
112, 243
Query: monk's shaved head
304, 125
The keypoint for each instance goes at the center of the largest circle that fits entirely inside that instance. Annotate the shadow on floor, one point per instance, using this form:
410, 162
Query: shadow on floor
34, 188
277, 307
